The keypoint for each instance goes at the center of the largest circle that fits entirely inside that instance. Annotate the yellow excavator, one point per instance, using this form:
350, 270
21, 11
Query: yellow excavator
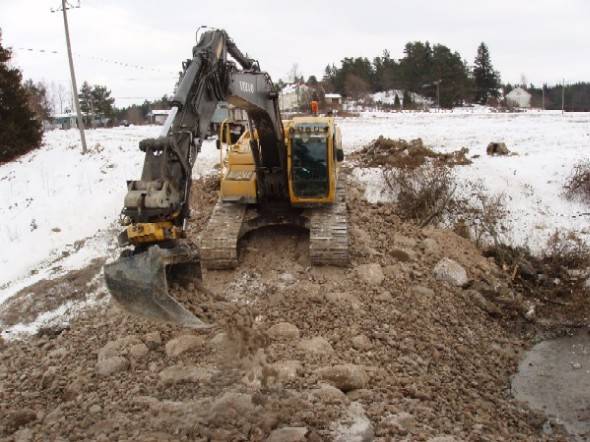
277, 173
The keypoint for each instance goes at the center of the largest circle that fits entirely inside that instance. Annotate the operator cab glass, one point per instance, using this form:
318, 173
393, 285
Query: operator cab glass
309, 160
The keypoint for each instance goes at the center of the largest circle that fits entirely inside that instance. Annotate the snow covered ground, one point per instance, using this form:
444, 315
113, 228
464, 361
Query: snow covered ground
548, 145
59, 209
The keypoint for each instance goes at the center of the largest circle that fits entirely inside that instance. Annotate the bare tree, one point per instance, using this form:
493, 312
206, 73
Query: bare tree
60, 97
293, 74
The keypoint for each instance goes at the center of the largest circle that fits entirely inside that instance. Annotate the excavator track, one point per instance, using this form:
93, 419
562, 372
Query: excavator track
219, 240
328, 232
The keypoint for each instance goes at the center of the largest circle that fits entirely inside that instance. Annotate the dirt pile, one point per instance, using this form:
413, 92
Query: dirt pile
387, 349
405, 154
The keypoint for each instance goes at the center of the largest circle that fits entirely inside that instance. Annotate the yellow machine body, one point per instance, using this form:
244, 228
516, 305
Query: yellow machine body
144, 233
238, 170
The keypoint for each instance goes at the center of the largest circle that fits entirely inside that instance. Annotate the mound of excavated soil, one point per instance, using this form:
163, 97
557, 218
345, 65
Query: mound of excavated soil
397, 347
405, 154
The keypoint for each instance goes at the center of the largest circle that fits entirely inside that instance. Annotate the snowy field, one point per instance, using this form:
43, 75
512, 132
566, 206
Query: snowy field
60, 209
548, 144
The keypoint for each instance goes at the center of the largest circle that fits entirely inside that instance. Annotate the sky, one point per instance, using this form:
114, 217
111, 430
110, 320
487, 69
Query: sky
542, 40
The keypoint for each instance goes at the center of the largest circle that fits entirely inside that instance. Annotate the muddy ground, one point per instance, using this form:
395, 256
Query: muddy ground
391, 348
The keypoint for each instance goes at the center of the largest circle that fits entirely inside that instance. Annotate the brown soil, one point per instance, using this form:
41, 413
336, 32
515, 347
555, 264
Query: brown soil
404, 154
427, 359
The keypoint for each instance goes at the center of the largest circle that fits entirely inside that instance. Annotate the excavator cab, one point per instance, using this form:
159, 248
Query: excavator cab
315, 147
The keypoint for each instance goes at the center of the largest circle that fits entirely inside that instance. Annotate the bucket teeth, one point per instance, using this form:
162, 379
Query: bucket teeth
138, 283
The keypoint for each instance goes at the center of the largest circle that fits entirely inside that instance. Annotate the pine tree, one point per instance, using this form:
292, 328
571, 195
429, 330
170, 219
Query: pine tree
20, 129
407, 100
487, 80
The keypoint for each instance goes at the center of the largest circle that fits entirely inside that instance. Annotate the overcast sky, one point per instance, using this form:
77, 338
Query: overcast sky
544, 40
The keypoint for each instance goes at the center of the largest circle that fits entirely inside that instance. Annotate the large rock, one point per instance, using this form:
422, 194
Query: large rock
287, 370
361, 343
317, 345
423, 292
112, 365
497, 149
451, 272
118, 347
23, 435
138, 351
355, 426
328, 394
402, 254
153, 340
344, 299
177, 346
288, 434
283, 331
401, 423
404, 241
220, 342
371, 273
180, 374
429, 246
480, 300
346, 377
230, 407
18, 418
287, 278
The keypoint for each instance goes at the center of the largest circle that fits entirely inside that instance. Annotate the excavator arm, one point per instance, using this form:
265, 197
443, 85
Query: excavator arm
161, 195
157, 206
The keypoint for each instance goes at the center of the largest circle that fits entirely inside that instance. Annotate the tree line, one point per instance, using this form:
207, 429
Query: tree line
434, 71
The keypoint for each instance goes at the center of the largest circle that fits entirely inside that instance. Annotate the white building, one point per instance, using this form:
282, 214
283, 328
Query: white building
518, 97
293, 96
333, 102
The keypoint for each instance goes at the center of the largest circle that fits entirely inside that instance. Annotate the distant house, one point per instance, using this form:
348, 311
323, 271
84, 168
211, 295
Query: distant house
158, 116
518, 97
293, 96
61, 121
333, 102
388, 97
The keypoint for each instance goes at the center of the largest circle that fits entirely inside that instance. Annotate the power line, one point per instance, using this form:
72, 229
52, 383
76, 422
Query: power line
101, 59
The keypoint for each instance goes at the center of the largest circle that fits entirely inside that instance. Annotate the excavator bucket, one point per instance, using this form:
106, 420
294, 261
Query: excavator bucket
138, 283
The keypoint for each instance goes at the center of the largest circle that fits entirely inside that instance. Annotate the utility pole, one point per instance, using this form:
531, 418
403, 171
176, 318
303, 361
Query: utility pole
437, 82
75, 99
563, 97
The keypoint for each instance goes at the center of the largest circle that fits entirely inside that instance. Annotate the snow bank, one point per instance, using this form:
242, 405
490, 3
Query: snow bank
57, 203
